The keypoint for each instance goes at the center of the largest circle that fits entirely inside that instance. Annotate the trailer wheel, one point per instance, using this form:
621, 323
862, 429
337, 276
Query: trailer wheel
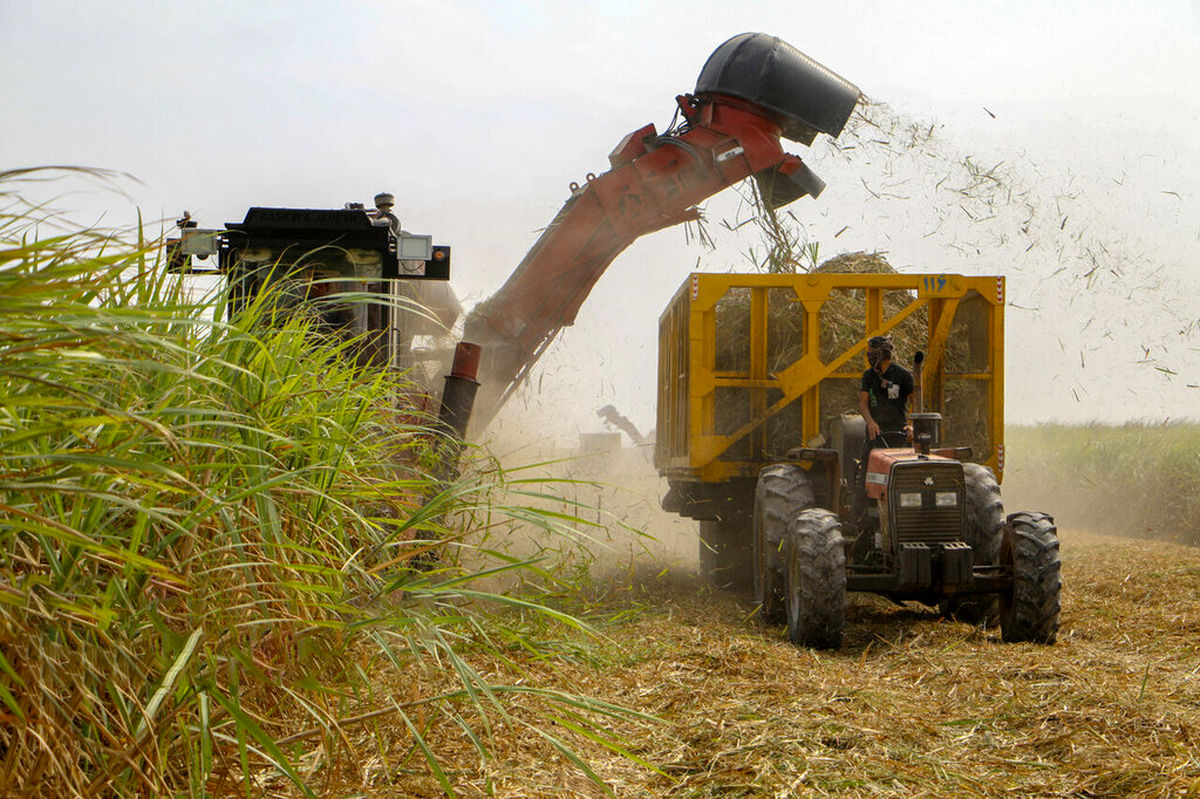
725, 553
984, 532
815, 579
783, 489
1029, 612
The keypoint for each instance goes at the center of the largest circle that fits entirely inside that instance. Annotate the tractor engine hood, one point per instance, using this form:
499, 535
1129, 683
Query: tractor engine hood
879, 467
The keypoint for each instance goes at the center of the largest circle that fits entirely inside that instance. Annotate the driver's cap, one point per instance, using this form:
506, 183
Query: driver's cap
880, 343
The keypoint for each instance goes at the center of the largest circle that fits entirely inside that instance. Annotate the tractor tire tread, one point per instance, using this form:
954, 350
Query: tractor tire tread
816, 579
984, 513
1032, 612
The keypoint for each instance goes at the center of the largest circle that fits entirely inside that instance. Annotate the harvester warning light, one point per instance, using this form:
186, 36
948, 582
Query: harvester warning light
415, 248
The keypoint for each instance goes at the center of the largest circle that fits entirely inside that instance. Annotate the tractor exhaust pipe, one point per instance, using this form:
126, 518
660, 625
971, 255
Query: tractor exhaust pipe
918, 388
926, 427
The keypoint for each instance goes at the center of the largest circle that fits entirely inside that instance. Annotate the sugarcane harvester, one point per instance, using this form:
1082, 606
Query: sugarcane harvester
754, 90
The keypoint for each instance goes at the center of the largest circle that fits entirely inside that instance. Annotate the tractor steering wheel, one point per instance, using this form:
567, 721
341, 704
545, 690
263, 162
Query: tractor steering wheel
896, 435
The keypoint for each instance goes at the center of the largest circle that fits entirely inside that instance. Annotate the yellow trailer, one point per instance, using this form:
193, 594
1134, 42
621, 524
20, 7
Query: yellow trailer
752, 365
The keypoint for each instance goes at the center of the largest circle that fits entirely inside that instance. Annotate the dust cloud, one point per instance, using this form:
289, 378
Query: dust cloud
614, 530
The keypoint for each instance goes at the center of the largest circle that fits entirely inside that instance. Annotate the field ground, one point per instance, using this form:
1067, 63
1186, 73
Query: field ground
910, 705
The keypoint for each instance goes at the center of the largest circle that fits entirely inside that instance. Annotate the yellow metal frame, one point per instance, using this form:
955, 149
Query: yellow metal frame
688, 446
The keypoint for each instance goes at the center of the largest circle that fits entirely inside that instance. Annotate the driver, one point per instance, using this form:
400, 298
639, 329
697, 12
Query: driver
883, 402
885, 389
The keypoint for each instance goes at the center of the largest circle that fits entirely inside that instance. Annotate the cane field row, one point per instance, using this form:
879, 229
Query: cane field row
1136, 479
232, 562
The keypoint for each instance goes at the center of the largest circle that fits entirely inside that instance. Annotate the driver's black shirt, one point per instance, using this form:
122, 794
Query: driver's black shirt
887, 396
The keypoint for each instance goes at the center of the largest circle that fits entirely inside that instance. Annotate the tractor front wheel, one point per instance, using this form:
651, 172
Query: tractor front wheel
815, 579
1029, 612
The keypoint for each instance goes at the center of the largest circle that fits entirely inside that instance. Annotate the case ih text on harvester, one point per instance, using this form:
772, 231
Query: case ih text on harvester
754, 374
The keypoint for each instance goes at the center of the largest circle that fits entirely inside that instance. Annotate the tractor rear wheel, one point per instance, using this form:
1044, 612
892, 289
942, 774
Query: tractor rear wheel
815, 579
783, 490
984, 532
1030, 611
725, 553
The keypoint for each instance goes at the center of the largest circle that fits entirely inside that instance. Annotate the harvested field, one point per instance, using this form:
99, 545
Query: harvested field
909, 706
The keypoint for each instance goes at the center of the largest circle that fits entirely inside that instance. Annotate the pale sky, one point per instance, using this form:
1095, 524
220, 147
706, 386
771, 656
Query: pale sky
477, 115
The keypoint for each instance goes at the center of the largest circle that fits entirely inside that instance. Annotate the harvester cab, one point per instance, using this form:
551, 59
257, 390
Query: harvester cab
760, 442
365, 278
